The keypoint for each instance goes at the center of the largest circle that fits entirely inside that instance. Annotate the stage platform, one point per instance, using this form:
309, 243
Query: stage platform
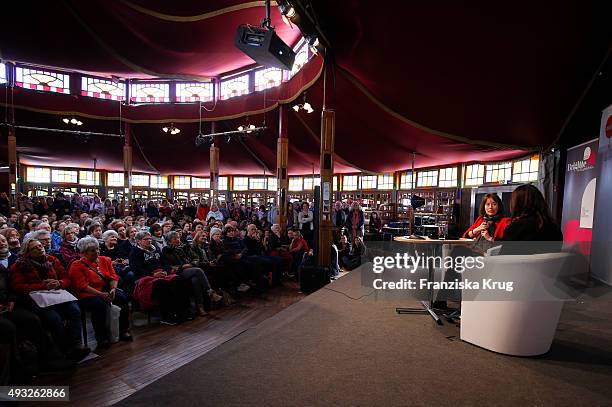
345, 347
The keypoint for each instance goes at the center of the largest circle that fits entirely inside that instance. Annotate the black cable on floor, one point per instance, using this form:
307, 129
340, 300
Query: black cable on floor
348, 296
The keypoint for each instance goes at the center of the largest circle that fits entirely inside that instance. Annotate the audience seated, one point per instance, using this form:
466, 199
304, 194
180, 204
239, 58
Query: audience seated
157, 258
34, 270
175, 257
95, 283
156, 284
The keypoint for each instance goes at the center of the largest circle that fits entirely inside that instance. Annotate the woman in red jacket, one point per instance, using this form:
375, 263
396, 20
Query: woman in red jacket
491, 224
34, 271
95, 282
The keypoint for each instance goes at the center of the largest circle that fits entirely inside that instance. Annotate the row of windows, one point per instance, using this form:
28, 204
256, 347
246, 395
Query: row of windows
157, 92
475, 174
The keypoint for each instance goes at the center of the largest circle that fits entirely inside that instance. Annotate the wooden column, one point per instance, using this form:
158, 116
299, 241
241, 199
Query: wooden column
12, 162
127, 169
282, 158
214, 166
328, 130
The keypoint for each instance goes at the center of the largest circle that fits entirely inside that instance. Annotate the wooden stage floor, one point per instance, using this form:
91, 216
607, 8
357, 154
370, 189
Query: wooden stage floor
158, 350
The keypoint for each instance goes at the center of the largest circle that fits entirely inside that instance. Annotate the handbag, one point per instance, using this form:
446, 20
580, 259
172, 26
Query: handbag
112, 322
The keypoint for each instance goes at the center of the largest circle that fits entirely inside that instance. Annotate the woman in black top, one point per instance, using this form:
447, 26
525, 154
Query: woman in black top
531, 222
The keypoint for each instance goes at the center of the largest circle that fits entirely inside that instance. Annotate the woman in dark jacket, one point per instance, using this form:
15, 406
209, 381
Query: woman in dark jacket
145, 262
531, 222
174, 256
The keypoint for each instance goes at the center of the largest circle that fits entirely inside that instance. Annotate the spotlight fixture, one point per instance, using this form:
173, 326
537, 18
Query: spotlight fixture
315, 45
171, 129
248, 128
288, 13
73, 120
303, 106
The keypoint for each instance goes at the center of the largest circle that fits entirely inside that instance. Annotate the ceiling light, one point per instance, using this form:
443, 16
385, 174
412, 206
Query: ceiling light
303, 106
72, 120
171, 129
240, 128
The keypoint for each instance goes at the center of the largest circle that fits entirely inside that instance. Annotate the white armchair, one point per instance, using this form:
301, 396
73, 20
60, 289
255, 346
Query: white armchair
524, 325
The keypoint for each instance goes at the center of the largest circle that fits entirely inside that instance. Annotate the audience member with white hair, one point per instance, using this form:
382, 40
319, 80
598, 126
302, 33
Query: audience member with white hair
95, 282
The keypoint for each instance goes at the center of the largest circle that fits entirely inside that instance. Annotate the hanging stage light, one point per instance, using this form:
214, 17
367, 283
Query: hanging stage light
303, 106
73, 120
171, 129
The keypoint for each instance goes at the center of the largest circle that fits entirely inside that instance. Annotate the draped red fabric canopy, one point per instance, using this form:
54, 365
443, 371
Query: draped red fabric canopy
448, 82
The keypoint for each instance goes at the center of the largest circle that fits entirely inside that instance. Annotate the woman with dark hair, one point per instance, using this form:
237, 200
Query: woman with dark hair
152, 211
491, 222
531, 219
291, 216
375, 224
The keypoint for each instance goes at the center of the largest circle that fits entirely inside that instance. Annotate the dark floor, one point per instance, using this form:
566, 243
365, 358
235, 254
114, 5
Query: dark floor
158, 350
329, 349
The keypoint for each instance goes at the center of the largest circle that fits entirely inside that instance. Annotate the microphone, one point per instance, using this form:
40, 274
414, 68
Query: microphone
489, 224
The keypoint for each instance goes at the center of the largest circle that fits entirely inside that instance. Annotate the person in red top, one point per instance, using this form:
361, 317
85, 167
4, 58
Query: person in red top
95, 283
203, 210
491, 224
297, 248
35, 271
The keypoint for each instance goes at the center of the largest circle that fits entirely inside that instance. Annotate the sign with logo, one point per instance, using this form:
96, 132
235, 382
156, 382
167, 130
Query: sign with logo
601, 253
579, 195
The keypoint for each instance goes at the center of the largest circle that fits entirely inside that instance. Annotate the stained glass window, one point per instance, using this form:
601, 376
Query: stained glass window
38, 79
194, 91
406, 180
385, 181
3, 74
38, 174
89, 178
268, 78
310, 182
448, 177
140, 180
272, 184
150, 92
241, 183
427, 178
64, 176
159, 181
526, 170
102, 88
368, 182
234, 87
349, 182
257, 183
116, 179
182, 182
474, 175
200, 183
222, 183
500, 172
295, 184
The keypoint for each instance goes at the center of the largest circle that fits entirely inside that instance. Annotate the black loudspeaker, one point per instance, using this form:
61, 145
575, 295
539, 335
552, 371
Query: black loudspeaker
312, 278
264, 47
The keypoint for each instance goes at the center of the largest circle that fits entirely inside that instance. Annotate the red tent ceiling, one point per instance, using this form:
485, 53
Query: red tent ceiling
449, 82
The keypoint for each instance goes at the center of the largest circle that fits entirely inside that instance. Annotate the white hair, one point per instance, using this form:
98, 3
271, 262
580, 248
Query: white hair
87, 243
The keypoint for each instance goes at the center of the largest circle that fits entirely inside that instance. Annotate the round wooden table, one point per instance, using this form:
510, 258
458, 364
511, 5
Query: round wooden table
431, 244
